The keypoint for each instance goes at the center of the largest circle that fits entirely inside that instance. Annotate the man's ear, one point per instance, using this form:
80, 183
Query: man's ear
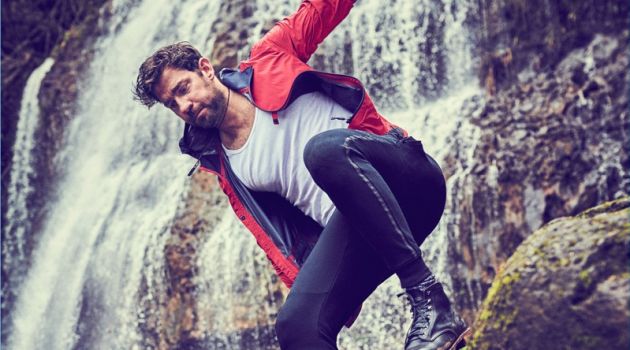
205, 67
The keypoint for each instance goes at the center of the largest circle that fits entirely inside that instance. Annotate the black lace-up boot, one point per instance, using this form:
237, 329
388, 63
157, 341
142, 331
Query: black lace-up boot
435, 326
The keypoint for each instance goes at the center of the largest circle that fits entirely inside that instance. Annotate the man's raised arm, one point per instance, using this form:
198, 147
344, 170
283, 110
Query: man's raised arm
301, 32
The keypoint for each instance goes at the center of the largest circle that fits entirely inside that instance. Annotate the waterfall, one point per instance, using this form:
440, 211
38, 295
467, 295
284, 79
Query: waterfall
100, 257
20, 186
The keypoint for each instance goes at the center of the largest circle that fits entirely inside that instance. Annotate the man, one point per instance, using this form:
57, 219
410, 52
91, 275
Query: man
326, 184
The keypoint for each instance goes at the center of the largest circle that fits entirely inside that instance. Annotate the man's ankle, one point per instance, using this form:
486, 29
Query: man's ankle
413, 273
427, 282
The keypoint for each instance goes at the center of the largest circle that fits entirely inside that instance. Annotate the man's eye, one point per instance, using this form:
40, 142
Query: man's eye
182, 90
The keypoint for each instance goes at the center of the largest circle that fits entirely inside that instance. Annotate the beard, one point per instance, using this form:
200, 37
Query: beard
214, 115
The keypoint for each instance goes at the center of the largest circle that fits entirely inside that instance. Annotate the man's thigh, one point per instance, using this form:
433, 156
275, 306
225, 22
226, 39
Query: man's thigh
414, 178
339, 274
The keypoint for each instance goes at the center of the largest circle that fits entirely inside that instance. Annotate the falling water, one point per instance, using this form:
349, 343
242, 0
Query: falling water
100, 257
17, 227
238, 293
20, 186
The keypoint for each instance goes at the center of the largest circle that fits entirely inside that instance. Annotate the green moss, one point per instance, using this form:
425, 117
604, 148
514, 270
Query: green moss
539, 252
510, 278
497, 312
484, 315
612, 206
552, 249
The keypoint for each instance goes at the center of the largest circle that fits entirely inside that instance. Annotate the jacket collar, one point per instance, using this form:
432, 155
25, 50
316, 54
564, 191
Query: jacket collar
235, 79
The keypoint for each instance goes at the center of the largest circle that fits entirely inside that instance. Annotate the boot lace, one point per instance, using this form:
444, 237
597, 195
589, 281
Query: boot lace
421, 316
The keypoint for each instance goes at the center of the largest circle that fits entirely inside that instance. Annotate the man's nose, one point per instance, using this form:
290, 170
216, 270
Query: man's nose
183, 106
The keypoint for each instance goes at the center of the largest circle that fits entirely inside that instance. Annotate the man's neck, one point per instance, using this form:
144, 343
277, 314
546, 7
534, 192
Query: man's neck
238, 122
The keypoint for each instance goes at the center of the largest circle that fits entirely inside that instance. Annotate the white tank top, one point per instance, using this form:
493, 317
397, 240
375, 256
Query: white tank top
272, 157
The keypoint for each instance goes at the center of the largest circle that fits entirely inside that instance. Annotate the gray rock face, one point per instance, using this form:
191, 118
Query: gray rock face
516, 35
177, 323
551, 146
566, 287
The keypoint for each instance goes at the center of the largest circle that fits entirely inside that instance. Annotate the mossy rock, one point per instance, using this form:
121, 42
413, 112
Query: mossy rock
567, 286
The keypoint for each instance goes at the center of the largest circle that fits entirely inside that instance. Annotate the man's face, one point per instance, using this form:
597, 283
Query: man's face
194, 96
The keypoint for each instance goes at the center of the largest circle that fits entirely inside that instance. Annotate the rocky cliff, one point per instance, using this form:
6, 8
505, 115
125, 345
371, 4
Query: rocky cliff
549, 146
519, 37
567, 286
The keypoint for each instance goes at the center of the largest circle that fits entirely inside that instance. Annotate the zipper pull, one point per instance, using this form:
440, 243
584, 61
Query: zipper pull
194, 168
274, 116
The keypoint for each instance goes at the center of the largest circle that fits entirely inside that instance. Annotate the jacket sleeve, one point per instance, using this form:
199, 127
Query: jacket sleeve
301, 32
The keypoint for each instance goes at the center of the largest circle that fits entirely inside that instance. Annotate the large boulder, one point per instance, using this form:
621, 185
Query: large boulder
567, 286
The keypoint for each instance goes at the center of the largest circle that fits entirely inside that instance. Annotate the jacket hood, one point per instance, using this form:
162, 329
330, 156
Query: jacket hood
198, 142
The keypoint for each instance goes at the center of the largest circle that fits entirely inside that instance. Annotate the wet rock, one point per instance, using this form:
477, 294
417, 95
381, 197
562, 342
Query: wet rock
567, 286
232, 32
176, 311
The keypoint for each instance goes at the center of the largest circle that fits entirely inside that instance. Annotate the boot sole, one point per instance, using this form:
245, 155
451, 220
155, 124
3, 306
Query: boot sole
454, 345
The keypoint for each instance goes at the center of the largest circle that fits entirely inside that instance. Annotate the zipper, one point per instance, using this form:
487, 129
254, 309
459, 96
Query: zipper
195, 167
363, 92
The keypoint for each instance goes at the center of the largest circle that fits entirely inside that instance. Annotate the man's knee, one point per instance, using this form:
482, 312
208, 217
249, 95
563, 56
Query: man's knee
324, 155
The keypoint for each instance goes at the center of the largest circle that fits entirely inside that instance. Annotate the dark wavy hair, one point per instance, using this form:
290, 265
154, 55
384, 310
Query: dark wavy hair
181, 55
